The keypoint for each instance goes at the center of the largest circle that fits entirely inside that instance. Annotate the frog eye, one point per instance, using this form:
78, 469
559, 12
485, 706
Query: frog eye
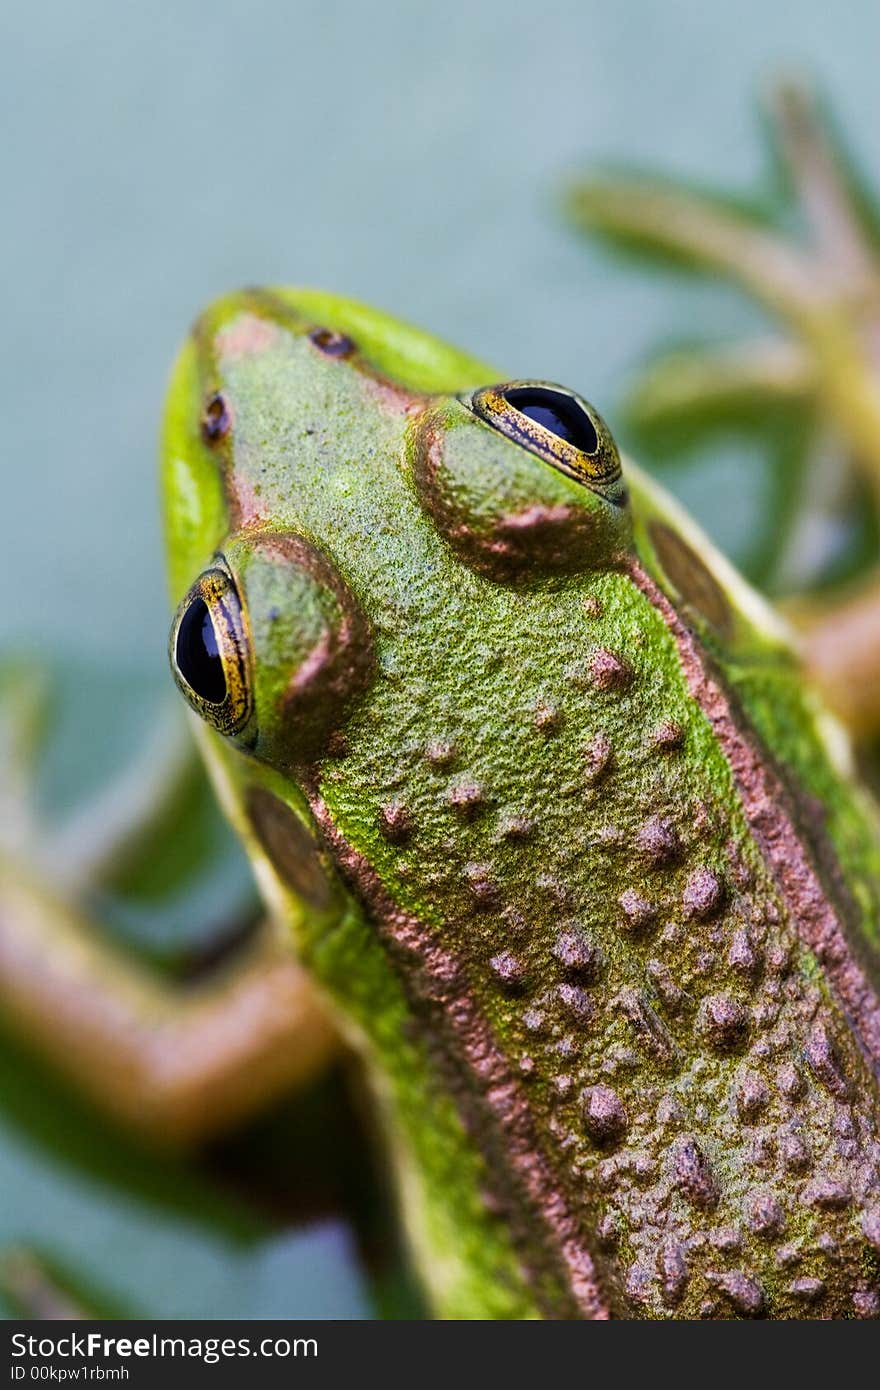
209, 652
557, 425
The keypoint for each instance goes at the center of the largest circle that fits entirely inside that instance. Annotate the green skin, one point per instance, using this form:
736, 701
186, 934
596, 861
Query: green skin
534, 780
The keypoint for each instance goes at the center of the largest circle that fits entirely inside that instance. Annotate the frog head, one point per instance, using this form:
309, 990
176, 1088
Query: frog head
330, 475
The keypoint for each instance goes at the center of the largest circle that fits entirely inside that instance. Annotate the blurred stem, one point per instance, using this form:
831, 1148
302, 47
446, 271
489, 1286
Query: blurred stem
175, 1064
822, 191
27, 1281
808, 533
689, 382
826, 289
849, 385
699, 231
24, 701
103, 836
841, 641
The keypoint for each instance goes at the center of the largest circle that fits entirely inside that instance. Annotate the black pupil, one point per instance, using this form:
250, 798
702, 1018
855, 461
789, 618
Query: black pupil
198, 659
557, 412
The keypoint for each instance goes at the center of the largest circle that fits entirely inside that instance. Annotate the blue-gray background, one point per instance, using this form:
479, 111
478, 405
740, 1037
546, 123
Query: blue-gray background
405, 153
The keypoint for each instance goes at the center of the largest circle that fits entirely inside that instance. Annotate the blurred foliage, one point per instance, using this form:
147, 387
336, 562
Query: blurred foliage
760, 438
286, 1218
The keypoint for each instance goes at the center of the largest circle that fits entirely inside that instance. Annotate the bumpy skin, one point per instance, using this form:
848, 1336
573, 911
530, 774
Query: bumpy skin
535, 781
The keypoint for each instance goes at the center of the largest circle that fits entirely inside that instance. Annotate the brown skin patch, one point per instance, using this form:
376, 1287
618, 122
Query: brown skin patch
668, 737
292, 851
538, 537
608, 671
245, 504
338, 666
396, 823
723, 1022
692, 1174
688, 574
248, 335
577, 954
604, 1115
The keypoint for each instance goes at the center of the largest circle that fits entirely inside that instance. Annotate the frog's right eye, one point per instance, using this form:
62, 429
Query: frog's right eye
209, 652
559, 426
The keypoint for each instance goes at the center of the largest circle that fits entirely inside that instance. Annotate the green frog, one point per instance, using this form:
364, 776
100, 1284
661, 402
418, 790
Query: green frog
534, 782
560, 841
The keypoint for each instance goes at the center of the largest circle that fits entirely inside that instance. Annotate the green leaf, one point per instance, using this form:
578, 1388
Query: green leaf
673, 224
269, 1223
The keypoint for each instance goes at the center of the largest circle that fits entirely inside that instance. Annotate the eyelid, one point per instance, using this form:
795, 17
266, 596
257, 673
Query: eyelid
597, 468
216, 590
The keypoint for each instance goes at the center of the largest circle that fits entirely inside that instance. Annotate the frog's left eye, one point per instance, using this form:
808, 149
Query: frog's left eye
208, 651
557, 425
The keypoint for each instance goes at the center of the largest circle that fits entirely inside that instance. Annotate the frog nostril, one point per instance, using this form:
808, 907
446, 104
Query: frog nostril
555, 411
330, 343
216, 418
197, 653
